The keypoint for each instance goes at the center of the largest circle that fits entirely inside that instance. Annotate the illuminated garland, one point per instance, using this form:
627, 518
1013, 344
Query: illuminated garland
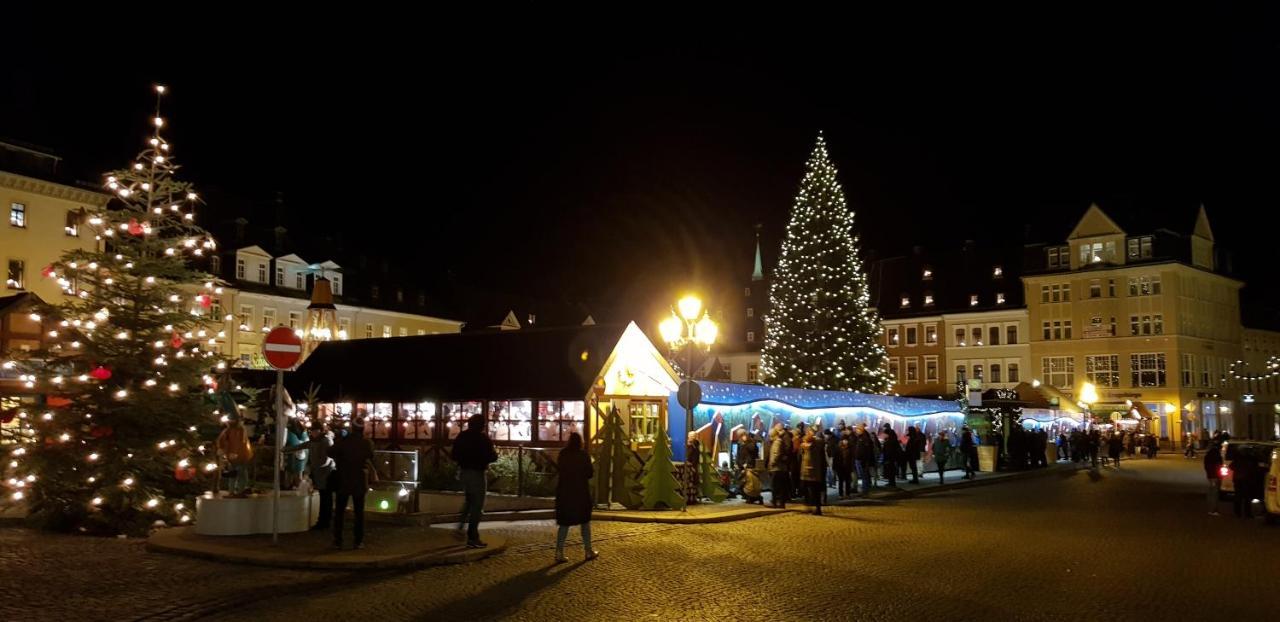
1272, 367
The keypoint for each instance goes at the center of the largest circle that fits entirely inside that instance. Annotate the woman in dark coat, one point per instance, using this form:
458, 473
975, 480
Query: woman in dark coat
573, 496
913, 450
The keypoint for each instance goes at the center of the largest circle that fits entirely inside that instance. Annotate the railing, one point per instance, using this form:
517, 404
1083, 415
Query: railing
520, 471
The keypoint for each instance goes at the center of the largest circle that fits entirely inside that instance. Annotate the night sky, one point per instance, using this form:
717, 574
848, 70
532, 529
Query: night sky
624, 162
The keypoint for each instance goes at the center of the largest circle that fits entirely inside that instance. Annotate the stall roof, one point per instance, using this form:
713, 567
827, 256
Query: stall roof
1038, 397
733, 394
530, 363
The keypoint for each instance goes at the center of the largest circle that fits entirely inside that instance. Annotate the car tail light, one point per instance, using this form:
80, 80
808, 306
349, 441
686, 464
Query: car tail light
1224, 471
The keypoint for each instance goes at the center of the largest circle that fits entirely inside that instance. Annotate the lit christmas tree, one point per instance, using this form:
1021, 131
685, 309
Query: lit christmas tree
820, 331
128, 360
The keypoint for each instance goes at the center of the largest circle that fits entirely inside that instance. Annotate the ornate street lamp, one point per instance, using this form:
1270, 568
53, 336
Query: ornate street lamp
690, 327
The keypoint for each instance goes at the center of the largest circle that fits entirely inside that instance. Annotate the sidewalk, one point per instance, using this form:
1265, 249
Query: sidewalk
929, 482
385, 547
730, 510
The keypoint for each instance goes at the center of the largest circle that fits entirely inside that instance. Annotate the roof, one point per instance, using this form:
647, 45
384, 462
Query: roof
954, 276
16, 301
531, 363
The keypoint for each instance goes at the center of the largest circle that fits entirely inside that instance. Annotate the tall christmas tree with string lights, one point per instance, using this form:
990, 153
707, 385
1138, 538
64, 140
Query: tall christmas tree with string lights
113, 443
821, 332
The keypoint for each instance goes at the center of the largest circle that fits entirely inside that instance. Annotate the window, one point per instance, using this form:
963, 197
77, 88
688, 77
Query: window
893, 369
386, 330
262, 273
422, 331
1147, 369
1109, 251
906, 301
215, 309
931, 334
239, 268
279, 276
999, 298
751, 312
977, 335
911, 335
1103, 370
72, 227
973, 300
960, 374
1155, 285
642, 421
1066, 293
913, 371
960, 336
215, 264
1055, 293
404, 331
1206, 378
557, 420
1011, 334
337, 285
456, 415
1044, 293
422, 299
1092, 253
511, 421
1157, 324
995, 372
994, 333
753, 372
751, 336
1111, 288
1139, 248
928, 300
399, 296
977, 372
1144, 286
892, 335
1013, 372
344, 327
997, 272
373, 292
746, 291
18, 215
1095, 288
1133, 325
1058, 371
1048, 333
295, 320
246, 317
268, 319
926, 274
368, 331
1059, 257
1066, 329
1057, 329
299, 280
418, 421
1188, 369
931, 369
17, 274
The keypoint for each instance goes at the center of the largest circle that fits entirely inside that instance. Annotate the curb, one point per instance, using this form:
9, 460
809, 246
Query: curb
497, 544
671, 517
973, 483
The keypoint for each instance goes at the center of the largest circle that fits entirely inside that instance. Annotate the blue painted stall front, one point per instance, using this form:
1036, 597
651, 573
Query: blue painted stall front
726, 405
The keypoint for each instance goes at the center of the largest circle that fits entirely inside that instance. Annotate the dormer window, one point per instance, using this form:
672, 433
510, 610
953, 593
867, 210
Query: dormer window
973, 300
928, 300
926, 274
999, 298
906, 301
997, 272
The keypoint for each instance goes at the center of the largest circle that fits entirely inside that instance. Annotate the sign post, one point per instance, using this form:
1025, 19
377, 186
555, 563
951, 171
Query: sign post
282, 348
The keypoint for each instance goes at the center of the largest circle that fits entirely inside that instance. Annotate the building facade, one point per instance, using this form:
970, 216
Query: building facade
1257, 377
989, 346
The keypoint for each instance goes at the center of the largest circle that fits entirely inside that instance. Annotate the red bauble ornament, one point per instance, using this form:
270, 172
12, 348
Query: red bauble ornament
134, 227
47, 271
175, 340
184, 474
205, 301
100, 373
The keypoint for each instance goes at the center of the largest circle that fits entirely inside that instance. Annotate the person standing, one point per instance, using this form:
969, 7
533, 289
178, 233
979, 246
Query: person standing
842, 463
473, 452
1062, 446
573, 497
813, 470
913, 451
236, 453
1114, 448
864, 457
966, 449
1213, 472
353, 455
322, 473
892, 456
1153, 446
779, 466
797, 485
941, 453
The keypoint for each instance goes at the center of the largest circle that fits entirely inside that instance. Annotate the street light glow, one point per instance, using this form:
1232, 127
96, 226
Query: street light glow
690, 307
705, 331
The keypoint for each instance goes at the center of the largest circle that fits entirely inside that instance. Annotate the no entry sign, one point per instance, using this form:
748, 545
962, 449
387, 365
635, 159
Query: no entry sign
282, 348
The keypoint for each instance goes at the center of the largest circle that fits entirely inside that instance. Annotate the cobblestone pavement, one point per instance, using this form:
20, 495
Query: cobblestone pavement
1129, 544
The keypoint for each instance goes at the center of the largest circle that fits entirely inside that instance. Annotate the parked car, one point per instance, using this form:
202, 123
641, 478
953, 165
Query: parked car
1235, 449
1271, 496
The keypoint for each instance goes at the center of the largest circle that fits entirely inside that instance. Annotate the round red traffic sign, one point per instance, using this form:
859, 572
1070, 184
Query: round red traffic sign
282, 347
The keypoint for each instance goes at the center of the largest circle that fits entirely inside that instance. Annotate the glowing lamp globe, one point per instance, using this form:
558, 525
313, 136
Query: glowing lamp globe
670, 329
690, 307
705, 331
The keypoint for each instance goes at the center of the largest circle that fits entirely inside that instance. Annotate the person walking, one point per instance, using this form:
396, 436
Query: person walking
892, 456
779, 466
864, 457
1213, 472
473, 452
353, 455
813, 470
941, 453
573, 497
912, 452
1153, 446
966, 448
843, 464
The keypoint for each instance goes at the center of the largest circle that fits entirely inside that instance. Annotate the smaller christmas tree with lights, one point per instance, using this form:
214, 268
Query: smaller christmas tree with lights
661, 490
821, 331
616, 468
127, 365
709, 479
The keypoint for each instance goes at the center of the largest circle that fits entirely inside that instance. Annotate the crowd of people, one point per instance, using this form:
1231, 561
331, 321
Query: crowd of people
1104, 447
804, 462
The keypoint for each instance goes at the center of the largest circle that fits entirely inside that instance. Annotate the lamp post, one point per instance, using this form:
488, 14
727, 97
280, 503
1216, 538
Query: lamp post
689, 326
1088, 397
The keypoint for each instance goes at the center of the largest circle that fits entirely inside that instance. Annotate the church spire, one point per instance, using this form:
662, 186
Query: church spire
758, 273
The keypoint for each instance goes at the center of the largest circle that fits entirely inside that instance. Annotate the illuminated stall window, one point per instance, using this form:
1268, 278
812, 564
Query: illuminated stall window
377, 419
511, 420
557, 420
333, 413
456, 415
642, 421
418, 421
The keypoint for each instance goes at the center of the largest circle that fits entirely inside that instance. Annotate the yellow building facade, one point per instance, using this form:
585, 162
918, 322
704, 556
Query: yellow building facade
42, 220
1146, 318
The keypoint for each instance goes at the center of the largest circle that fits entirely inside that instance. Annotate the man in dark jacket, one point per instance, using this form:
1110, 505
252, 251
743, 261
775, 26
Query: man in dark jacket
353, 455
474, 452
1213, 471
864, 456
914, 449
967, 449
892, 456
